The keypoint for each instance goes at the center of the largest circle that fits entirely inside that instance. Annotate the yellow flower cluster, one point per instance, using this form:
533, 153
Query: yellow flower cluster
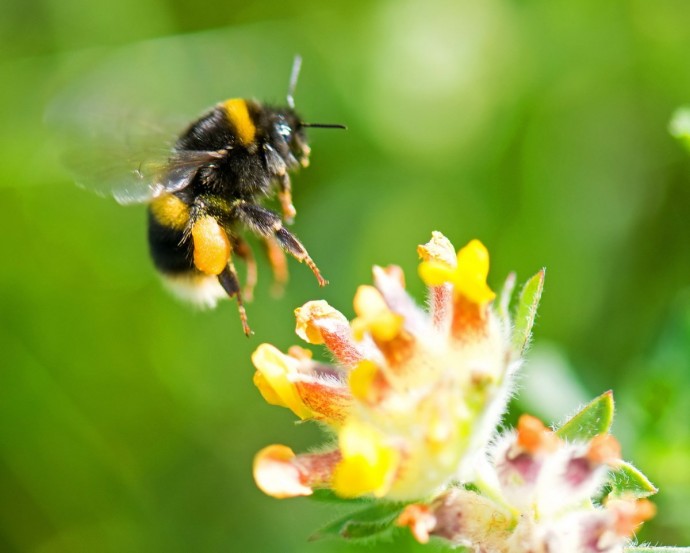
414, 397
414, 400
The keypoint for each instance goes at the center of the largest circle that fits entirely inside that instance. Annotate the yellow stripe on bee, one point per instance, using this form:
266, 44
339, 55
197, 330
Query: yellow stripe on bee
238, 115
211, 246
170, 211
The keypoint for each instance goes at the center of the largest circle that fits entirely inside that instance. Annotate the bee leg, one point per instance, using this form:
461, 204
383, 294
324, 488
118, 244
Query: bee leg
244, 252
267, 224
278, 263
295, 248
231, 284
285, 198
212, 256
278, 169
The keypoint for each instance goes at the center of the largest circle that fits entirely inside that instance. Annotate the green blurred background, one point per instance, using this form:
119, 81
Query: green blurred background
128, 422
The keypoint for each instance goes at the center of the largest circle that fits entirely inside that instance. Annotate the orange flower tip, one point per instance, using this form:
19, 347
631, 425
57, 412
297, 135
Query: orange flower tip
276, 474
604, 449
630, 514
439, 248
391, 272
644, 510
315, 316
533, 436
420, 521
300, 353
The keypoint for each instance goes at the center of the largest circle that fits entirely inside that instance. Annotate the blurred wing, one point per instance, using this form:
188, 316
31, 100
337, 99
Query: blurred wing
118, 147
152, 177
126, 155
107, 170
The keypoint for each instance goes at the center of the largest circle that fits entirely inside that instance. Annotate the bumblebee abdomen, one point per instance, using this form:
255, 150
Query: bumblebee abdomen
171, 249
173, 253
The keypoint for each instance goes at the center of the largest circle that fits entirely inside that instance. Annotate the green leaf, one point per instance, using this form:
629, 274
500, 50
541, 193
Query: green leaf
651, 549
362, 524
504, 298
626, 480
329, 496
527, 310
593, 419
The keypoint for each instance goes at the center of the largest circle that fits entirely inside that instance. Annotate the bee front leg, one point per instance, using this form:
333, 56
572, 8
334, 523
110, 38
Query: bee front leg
278, 169
285, 198
267, 224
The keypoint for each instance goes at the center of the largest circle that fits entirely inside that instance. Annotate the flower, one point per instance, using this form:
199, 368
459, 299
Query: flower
414, 397
543, 499
413, 401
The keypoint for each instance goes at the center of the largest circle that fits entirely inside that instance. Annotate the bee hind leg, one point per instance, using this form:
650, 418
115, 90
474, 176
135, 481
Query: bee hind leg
231, 284
278, 262
212, 256
244, 252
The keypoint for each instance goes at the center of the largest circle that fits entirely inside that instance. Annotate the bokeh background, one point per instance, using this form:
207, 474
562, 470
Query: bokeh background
128, 422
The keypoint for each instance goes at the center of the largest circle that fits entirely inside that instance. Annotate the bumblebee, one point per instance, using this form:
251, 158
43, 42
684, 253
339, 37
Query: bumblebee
210, 187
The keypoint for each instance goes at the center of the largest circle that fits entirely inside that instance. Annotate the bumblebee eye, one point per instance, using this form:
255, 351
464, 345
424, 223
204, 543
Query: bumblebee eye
285, 131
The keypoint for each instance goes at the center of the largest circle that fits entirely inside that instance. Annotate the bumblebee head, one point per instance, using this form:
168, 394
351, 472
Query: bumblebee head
289, 138
287, 128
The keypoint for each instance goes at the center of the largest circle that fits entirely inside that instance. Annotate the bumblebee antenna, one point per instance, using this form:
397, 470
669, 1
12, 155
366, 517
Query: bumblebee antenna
324, 125
294, 75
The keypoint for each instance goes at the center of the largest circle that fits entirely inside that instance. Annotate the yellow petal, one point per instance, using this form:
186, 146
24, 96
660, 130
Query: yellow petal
361, 379
470, 275
354, 477
359, 328
274, 383
369, 302
267, 391
386, 326
374, 316
368, 465
435, 273
276, 475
